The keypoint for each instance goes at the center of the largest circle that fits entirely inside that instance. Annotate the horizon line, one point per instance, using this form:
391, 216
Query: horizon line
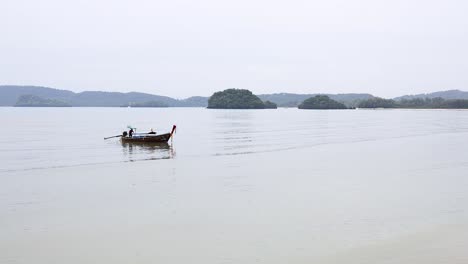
182, 98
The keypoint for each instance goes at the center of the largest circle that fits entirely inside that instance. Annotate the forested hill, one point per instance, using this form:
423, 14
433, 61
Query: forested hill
353, 99
293, 100
237, 99
9, 95
448, 95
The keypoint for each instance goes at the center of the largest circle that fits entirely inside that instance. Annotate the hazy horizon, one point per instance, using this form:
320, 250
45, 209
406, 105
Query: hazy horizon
183, 48
188, 96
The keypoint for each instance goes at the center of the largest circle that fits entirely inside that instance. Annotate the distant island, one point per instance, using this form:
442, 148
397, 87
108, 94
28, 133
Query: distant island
270, 105
294, 100
147, 104
29, 100
10, 95
377, 102
237, 99
415, 103
321, 102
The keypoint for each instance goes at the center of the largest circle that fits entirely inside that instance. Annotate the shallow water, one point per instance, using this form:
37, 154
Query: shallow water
42, 138
244, 186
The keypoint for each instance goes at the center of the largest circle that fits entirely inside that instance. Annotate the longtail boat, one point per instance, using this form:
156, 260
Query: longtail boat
147, 137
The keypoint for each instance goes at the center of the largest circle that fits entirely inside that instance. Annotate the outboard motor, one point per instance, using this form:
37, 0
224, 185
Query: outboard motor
124, 134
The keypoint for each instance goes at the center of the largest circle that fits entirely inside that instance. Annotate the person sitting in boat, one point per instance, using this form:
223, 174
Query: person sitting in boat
152, 132
130, 132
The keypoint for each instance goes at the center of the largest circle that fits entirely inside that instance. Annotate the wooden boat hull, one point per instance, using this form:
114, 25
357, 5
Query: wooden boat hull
149, 138
152, 146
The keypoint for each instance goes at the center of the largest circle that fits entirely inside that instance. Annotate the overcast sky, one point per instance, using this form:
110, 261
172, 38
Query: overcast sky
181, 48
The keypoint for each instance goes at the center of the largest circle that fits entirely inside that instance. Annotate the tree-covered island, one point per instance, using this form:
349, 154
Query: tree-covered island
270, 105
377, 102
237, 99
321, 102
416, 103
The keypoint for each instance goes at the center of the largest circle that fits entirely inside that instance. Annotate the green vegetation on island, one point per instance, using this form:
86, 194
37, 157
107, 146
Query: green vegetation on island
377, 102
36, 101
10, 96
270, 105
416, 103
293, 100
321, 102
148, 104
235, 99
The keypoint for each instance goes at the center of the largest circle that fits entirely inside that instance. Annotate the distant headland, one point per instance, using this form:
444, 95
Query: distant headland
37, 96
10, 96
29, 100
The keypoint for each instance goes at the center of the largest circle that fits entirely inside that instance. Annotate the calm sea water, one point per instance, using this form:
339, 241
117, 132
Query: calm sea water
42, 138
233, 186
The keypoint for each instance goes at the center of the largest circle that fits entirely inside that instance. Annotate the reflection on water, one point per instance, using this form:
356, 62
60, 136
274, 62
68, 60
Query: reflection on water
325, 183
134, 151
44, 141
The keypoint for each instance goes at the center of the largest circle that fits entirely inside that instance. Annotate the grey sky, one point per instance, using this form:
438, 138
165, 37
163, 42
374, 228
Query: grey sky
181, 48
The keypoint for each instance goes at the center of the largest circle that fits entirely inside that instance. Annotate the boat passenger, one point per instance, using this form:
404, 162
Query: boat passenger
130, 132
152, 132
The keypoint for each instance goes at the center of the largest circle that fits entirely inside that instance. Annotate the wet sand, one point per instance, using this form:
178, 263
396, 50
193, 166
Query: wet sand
439, 244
